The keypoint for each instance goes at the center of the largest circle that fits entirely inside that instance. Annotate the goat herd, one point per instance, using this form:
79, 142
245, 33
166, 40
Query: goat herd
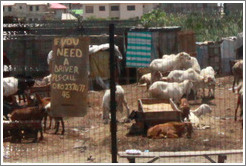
173, 77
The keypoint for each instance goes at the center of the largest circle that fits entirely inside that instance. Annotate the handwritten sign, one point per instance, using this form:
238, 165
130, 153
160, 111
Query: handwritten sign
69, 81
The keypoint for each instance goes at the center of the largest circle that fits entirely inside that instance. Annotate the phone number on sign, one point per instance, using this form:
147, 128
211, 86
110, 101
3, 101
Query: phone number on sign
69, 87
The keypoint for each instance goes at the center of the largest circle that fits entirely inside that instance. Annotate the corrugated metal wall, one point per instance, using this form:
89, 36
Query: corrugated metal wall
187, 42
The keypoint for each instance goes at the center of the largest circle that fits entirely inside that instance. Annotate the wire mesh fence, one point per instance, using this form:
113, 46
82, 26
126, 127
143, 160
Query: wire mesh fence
88, 139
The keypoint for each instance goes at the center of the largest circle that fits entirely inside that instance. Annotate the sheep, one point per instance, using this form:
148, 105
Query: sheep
120, 100
209, 78
237, 71
30, 114
12, 85
167, 90
189, 74
170, 130
168, 64
57, 119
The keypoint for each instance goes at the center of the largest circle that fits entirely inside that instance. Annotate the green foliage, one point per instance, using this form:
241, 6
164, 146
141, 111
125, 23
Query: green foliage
207, 26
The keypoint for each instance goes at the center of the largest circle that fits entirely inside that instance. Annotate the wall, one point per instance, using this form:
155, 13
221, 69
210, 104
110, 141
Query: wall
25, 12
114, 14
96, 13
126, 14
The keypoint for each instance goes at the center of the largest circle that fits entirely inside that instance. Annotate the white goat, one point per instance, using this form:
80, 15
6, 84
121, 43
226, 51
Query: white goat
195, 115
47, 79
168, 64
167, 90
189, 74
150, 78
209, 78
120, 100
193, 63
10, 86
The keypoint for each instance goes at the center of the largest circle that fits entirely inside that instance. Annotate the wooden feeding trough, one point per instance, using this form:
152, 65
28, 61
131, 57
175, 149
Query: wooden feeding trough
153, 111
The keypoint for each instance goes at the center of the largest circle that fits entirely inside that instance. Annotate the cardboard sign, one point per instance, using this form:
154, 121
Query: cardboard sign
69, 81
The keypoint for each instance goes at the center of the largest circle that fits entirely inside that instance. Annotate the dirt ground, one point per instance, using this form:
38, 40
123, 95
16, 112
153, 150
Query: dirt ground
88, 140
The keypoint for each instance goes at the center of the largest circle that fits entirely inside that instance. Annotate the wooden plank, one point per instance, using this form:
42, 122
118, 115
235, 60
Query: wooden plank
180, 154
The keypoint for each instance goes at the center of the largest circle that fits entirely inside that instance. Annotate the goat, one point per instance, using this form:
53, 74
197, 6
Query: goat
189, 74
57, 119
184, 108
167, 90
237, 71
209, 78
170, 130
168, 64
29, 114
239, 101
120, 99
150, 78
193, 115
12, 85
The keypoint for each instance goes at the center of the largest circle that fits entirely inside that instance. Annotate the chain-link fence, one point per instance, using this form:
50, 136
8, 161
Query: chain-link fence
88, 139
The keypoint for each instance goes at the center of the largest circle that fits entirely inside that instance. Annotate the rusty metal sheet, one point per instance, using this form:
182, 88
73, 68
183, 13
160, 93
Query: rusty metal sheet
69, 82
187, 42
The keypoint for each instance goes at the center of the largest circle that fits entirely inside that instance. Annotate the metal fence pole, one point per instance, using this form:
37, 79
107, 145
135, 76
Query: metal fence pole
113, 125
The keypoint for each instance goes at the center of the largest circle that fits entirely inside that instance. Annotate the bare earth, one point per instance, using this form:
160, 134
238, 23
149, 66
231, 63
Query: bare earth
88, 140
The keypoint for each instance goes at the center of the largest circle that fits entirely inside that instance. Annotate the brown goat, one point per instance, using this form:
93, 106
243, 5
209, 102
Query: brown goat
30, 114
170, 130
185, 108
57, 119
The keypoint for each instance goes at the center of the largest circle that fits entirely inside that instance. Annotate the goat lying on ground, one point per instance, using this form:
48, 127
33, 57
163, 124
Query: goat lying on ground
29, 114
170, 130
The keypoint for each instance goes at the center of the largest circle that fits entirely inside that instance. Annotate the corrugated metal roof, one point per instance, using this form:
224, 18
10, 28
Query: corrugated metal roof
68, 16
57, 6
156, 29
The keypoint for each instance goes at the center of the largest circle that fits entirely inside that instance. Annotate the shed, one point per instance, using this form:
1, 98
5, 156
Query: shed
209, 54
228, 53
100, 66
145, 44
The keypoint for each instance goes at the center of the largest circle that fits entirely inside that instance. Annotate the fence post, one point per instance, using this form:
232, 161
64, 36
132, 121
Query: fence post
113, 127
